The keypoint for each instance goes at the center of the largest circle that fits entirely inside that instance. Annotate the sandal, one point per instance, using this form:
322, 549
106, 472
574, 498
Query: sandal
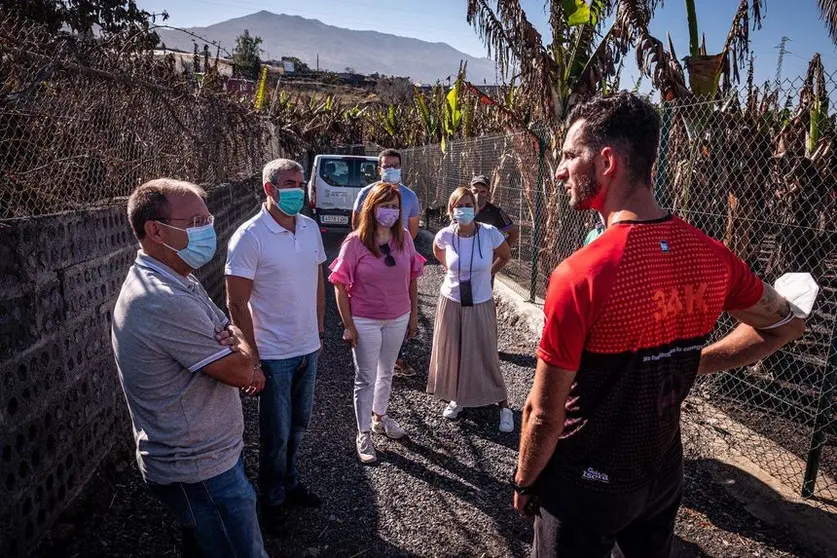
403, 370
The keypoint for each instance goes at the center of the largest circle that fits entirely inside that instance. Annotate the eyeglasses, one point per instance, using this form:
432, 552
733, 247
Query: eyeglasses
395, 166
193, 221
389, 259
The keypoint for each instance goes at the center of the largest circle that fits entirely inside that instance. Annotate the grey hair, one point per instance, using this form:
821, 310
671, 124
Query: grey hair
270, 172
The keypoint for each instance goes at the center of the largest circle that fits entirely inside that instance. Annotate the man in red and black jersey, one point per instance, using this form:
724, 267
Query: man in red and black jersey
627, 319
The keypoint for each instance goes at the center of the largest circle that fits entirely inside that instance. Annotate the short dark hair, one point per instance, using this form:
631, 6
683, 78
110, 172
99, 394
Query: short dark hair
149, 202
625, 121
389, 153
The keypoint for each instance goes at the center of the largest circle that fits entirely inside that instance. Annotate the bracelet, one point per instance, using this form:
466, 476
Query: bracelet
787, 319
257, 366
522, 490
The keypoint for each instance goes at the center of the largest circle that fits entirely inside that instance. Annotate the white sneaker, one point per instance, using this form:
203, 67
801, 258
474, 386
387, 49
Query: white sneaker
452, 411
387, 426
506, 420
365, 449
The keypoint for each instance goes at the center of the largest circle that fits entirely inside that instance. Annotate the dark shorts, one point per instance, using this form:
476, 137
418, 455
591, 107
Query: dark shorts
575, 521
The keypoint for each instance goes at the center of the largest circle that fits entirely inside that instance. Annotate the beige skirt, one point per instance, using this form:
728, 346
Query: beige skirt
464, 364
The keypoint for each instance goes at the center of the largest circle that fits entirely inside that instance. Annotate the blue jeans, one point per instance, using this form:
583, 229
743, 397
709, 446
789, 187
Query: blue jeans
284, 414
218, 515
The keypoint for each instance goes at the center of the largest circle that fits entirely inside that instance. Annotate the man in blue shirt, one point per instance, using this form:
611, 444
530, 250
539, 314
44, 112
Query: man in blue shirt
389, 167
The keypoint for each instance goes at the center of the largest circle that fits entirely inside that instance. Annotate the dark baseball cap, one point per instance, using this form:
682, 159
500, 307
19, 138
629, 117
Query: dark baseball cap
480, 179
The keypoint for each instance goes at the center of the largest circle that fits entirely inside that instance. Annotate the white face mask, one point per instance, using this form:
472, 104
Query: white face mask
391, 176
800, 290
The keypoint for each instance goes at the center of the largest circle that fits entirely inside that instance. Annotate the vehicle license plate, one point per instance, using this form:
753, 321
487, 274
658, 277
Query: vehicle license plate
334, 219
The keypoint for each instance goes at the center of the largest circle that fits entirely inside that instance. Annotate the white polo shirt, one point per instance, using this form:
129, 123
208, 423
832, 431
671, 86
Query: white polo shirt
285, 268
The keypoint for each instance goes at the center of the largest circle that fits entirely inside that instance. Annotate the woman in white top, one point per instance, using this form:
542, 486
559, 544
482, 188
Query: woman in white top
464, 365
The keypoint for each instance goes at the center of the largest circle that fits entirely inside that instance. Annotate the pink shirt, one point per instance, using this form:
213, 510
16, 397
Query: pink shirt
376, 291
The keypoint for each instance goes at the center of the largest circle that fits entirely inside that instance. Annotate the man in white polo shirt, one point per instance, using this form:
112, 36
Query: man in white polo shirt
276, 295
181, 377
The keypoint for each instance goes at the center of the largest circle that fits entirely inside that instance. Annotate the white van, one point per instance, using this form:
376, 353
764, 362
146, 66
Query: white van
334, 185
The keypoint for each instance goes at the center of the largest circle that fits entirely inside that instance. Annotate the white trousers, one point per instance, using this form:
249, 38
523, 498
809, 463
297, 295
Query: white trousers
378, 343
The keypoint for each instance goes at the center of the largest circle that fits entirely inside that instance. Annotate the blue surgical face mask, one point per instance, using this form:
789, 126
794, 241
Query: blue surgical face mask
391, 176
201, 245
463, 215
290, 200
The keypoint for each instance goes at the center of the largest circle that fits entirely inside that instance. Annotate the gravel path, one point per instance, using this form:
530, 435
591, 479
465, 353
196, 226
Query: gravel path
441, 492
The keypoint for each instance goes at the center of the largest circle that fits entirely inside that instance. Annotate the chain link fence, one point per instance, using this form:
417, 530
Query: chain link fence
85, 121
519, 167
757, 171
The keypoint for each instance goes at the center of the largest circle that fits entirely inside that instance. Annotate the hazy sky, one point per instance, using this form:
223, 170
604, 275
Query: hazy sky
444, 21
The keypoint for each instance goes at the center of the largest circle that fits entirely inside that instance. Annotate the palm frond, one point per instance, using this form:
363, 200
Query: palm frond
738, 37
828, 13
515, 41
579, 58
497, 41
600, 64
665, 72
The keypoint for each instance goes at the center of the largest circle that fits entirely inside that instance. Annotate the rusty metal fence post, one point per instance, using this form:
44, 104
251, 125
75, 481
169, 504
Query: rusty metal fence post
536, 226
824, 423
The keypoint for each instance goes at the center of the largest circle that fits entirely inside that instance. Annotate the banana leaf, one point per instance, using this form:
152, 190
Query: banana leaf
261, 90
577, 12
705, 73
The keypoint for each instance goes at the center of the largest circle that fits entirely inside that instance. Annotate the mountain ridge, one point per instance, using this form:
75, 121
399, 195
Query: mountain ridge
364, 51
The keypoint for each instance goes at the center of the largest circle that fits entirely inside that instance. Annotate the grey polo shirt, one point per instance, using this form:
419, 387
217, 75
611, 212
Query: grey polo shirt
188, 426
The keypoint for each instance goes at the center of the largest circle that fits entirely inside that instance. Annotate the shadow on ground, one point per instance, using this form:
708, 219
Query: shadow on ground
443, 491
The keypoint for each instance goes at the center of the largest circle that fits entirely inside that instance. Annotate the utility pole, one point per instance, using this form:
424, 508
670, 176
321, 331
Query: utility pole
318, 61
782, 52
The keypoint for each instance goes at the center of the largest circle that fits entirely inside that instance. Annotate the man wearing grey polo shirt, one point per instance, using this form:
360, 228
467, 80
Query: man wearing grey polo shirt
181, 365
276, 295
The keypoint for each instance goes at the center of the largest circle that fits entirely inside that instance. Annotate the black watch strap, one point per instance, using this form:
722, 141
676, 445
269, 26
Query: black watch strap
522, 490
322, 335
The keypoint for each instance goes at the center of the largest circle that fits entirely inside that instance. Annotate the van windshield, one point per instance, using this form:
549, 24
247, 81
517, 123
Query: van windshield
347, 172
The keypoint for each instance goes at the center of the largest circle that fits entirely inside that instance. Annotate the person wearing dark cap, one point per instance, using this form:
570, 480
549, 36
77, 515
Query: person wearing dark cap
490, 214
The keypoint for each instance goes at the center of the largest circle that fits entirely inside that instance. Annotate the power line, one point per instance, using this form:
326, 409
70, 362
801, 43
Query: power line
195, 35
782, 52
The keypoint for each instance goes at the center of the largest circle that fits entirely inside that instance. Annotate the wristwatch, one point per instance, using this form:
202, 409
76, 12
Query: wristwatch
322, 335
522, 490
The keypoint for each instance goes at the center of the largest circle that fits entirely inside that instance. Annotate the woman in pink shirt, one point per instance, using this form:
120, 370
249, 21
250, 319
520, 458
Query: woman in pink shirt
375, 283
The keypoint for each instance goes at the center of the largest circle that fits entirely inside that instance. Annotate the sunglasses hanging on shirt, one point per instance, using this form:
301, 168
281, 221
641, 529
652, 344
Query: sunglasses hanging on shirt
389, 259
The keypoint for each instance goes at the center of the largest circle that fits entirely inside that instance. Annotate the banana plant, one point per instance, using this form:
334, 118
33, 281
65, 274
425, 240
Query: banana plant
469, 114
429, 117
352, 124
390, 122
804, 171
452, 116
261, 90
818, 99
705, 70
586, 49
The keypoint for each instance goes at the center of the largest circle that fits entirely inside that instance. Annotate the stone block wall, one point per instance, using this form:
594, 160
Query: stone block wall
62, 411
